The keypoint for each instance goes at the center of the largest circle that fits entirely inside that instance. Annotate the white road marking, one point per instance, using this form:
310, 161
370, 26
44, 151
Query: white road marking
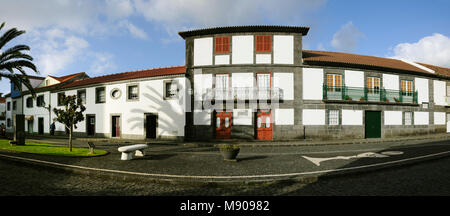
317, 161
232, 177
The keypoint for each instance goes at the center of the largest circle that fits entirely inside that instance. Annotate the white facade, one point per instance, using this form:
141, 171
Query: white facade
439, 92
283, 49
393, 118
352, 117
313, 117
312, 83
242, 49
421, 86
203, 50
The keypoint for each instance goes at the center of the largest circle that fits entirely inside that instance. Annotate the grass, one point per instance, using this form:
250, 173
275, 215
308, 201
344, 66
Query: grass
48, 149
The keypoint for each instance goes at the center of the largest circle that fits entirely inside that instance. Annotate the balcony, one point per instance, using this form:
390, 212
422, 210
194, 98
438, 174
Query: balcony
368, 95
244, 93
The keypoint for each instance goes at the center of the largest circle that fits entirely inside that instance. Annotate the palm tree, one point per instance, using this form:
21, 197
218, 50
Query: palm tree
13, 59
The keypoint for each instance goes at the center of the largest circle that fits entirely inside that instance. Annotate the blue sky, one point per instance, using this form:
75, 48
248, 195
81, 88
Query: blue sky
111, 36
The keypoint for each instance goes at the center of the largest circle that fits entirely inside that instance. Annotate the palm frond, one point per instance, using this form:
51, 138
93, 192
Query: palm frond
9, 35
18, 63
12, 56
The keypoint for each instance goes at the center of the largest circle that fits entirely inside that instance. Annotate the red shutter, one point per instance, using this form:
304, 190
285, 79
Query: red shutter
226, 44
218, 44
222, 44
263, 43
267, 41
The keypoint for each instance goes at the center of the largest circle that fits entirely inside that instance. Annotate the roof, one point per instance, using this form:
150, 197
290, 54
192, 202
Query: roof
2, 99
325, 58
60, 79
128, 75
67, 77
439, 70
242, 29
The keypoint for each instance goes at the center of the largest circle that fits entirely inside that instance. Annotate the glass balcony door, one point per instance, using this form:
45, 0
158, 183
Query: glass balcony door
222, 86
263, 81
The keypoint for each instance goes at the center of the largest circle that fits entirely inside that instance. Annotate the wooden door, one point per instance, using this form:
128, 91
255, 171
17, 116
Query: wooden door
264, 125
115, 126
40, 125
150, 126
373, 124
223, 125
91, 125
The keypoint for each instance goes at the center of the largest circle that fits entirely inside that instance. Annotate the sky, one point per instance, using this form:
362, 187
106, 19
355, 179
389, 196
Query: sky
113, 36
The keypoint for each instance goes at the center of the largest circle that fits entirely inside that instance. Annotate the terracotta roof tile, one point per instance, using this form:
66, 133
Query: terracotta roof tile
67, 77
128, 75
358, 61
439, 70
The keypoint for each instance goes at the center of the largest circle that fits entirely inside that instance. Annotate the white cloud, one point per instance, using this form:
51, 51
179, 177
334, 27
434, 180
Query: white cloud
434, 49
59, 50
176, 15
102, 63
133, 30
117, 9
346, 38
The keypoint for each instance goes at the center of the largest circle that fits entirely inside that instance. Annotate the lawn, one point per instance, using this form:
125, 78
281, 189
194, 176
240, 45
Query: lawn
48, 149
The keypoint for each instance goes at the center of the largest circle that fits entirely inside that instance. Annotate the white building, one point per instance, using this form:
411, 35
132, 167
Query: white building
251, 82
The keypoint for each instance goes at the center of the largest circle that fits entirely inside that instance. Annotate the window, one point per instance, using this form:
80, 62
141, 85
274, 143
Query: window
82, 95
373, 85
222, 84
40, 101
14, 105
263, 82
29, 102
263, 43
334, 82
333, 117
407, 87
222, 44
8, 106
60, 98
100, 96
116, 93
408, 118
170, 89
133, 92
8, 122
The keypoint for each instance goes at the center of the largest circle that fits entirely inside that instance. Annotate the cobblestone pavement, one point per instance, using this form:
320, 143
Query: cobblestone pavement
427, 178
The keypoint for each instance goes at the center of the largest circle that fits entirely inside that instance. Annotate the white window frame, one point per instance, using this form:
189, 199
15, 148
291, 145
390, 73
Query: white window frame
410, 120
333, 117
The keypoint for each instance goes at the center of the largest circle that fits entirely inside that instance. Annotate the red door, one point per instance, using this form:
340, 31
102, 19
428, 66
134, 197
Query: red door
223, 125
264, 125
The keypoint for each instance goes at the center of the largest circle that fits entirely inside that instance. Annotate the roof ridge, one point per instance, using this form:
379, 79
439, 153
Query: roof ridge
133, 71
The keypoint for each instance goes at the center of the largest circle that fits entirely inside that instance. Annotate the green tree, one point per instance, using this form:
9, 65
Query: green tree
71, 114
13, 59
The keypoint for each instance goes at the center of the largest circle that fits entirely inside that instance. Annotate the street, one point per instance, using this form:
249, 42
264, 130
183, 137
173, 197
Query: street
423, 178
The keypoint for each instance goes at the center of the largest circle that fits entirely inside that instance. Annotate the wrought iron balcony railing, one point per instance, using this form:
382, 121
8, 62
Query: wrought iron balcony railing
368, 94
243, 93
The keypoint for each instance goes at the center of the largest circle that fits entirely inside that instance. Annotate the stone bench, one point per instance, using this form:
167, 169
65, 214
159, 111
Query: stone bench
127, 151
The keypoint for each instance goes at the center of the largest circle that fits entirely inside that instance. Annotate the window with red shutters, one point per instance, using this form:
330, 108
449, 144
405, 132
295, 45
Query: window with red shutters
222, 44
263, 43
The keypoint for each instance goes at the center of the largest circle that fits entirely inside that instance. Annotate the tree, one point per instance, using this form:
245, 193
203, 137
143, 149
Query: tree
71, 114
13, 59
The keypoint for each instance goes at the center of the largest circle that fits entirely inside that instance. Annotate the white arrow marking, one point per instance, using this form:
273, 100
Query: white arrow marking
317, 161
